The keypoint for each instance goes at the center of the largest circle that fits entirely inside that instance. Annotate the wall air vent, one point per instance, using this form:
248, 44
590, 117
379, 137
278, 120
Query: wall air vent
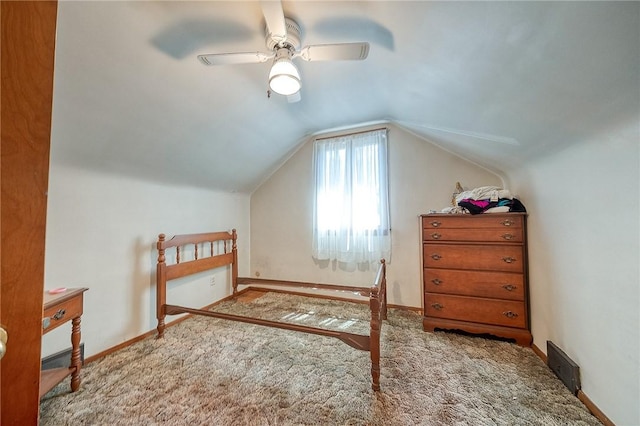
564, 367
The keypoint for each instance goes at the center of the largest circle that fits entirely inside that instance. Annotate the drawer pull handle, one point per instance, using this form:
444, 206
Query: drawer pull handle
509, 287
508, 237
436, 256
507, 222
437, 306
436, 281
435, 223
510, 314
59, 314
509, 259
435, 236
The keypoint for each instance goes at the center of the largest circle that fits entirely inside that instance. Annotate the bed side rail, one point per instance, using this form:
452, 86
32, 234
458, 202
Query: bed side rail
356, 341
362, 291
378, 287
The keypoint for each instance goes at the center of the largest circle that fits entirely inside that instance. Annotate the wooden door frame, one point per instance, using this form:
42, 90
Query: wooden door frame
28, 43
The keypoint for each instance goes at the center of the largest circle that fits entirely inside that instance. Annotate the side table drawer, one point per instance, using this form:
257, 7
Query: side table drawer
62, 312
487, 311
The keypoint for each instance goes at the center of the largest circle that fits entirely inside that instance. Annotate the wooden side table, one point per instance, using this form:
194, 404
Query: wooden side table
58, 309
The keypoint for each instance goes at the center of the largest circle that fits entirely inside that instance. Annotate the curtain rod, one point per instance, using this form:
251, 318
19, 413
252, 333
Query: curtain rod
351, 134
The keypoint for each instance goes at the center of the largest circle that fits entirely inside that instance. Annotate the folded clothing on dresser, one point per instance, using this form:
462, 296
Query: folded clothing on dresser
489, 199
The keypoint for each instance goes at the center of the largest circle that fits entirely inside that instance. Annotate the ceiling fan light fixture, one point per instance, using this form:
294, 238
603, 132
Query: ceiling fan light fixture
282, 39
284, 77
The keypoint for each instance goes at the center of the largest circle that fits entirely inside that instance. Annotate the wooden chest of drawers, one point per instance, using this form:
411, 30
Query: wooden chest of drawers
475, 274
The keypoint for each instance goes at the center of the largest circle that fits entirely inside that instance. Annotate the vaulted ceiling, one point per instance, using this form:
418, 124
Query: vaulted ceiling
499, 83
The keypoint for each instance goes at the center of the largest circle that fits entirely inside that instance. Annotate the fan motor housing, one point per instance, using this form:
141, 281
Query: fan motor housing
293, 36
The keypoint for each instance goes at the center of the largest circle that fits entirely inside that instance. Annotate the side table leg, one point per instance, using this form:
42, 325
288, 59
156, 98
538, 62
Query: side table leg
76, 361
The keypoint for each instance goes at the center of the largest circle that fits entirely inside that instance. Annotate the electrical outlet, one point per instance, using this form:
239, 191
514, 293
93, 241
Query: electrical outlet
212, 281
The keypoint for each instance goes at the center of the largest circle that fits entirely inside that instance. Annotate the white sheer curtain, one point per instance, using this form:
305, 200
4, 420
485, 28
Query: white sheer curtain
351, 214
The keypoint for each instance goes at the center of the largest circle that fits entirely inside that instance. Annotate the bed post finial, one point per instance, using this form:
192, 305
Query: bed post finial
160, 248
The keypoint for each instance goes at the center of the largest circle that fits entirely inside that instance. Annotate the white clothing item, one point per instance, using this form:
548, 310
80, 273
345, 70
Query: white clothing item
453, 210
492, 193
498, 209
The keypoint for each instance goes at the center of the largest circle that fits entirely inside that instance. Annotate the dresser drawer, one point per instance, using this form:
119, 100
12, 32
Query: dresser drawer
61, 312
479, 310
513, 235
499, 285
502, 221
500, 258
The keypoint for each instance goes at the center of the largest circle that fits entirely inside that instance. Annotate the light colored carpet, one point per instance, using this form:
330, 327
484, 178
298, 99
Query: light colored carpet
215, 372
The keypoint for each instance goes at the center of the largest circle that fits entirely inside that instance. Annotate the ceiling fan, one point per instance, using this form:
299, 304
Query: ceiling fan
282, 38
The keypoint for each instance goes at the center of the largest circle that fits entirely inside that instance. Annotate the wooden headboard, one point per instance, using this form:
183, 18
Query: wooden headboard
206, 251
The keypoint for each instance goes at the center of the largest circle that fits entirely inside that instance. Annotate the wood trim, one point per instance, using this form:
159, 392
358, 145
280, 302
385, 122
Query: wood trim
415, 309
152, 332
125, 344
593, 409
538, 352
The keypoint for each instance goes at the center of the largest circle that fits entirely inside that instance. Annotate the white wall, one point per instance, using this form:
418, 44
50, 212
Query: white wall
422, 177
583, 245
101, 234
584, 256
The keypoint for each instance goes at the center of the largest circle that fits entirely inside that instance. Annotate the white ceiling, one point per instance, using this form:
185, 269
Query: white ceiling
497, 82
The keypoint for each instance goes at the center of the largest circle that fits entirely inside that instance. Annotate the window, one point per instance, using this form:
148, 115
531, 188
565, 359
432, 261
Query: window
351, 215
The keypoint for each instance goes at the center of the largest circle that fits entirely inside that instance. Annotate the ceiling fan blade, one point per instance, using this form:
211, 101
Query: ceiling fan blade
335, 52
234, 58
274, 18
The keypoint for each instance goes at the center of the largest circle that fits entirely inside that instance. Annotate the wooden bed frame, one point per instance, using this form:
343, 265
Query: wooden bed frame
220, 250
